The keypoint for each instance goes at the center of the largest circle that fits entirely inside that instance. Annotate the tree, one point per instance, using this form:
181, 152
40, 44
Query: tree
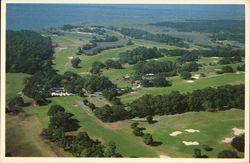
96, 67
186, 75
227, 154
110, 150
148, 139
227, 69
19, 101
239, 143
138, 131
207, 147
134, 125
197, 153
75, 62
160, 81
150, 119
55, 109
63, 120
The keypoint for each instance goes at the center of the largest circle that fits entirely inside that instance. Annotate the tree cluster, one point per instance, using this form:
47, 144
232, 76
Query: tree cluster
75, 62
230, 60
225, 69
97, 66
211, 99
154, 67
139, 54
111, 113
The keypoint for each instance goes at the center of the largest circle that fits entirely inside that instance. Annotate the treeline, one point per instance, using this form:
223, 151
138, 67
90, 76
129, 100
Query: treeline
94, 47
97, 66
98, 30
218, 51
222, 29
139, 54
208, 99
62, 122
27, 51
162, 38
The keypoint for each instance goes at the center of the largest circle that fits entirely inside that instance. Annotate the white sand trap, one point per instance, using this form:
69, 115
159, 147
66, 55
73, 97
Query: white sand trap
192, 130
164, 156
156, 59
215, 57
238, 131
70, 57
189, 81
227, 140
188, 143
175, 133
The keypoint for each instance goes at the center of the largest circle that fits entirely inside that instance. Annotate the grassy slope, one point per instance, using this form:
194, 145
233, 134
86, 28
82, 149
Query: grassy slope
213, 128
14, 84
119, 132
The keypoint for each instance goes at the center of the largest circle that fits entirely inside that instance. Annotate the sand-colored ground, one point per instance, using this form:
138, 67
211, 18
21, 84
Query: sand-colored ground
188, 143
236, 132
175, 133
189, 81
192, 130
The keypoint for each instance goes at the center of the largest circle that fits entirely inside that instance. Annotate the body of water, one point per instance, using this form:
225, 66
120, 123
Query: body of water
31, 16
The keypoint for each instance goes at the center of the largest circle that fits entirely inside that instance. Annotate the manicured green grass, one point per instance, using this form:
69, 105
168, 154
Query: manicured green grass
114, 74
14, 84
183, 86
213, 128
127, 144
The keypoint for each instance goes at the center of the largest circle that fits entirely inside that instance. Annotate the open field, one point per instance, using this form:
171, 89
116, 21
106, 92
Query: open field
23, 138
212, 129
14, 84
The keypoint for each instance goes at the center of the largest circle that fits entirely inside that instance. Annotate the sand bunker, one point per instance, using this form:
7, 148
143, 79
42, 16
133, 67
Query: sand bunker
70, 57
192, 130
164, 156
189, 81
188, 143
215, 57
175, 133
156, 59
227, 140
238, 131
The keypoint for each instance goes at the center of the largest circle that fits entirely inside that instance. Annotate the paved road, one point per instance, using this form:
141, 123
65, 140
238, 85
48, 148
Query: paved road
163, 117
80, 103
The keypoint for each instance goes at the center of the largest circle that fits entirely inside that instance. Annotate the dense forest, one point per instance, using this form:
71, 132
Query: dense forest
222, 29
27, 51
